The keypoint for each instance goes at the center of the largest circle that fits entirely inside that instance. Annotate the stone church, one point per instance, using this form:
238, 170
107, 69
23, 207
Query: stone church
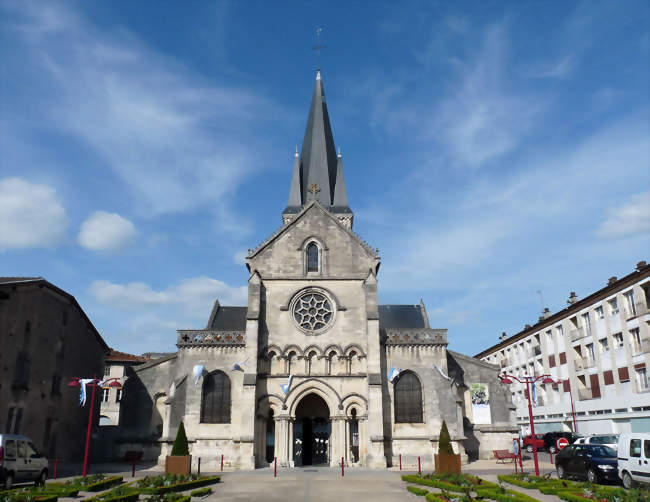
313, 370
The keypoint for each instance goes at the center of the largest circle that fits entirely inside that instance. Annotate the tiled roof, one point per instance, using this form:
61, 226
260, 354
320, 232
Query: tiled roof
117, 356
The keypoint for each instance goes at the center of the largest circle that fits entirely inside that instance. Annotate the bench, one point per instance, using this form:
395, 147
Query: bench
504, 455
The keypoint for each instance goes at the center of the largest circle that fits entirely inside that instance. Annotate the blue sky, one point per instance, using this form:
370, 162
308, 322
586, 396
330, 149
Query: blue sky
491, 149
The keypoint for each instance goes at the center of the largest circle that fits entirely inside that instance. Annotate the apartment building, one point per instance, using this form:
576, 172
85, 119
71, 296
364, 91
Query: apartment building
598, 349
116, 366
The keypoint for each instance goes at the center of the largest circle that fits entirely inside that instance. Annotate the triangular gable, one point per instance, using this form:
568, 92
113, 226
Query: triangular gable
278, 233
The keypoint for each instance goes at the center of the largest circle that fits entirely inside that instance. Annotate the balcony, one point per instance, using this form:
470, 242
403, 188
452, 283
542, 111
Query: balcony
642, 308
537, 350
581, 363
644, 348
576, 334
584, 394
504, 362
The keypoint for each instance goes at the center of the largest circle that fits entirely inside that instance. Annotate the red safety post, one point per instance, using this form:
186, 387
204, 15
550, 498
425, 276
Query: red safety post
400, 461
198, 470
419, 467
56, 466
133, 466
90, 423
342, 467
521, 462
275, 467
222, 462
551, 454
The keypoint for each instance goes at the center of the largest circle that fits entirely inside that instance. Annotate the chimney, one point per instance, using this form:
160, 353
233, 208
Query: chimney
611, 280
540, 318
573, 297
640, 265
547, 313
527, 326
503, 336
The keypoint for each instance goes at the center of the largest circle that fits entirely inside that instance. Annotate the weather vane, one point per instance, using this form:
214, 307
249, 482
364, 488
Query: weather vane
318, 45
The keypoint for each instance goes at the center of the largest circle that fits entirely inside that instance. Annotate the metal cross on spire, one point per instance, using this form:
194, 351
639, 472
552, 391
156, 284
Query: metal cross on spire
318, 45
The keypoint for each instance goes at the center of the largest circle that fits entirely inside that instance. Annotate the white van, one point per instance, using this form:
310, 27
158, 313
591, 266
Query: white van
20, 461
634, 458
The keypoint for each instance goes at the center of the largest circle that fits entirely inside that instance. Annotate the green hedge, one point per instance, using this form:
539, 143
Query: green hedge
181, 487
501, 495
417, 491
442, 485
102, 485
201, 492
124, 493
26, 496
169, 497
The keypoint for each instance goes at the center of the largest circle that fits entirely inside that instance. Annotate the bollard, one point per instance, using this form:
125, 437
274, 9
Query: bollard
419, 467
198, 470
551, 454
56, 466
133, 467
342, 467
400, 461
222, 462
516, 466
275, 467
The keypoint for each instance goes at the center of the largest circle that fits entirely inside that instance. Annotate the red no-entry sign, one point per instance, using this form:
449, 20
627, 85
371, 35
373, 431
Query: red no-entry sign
562, 442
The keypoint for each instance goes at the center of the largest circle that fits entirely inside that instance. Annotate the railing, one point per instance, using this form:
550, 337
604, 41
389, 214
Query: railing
577, 364
537, 350
584, 394
576, 334
641, 308
504, 362
581, 363
644, 348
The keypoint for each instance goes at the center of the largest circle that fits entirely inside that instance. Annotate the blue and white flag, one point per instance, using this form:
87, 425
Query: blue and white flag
287, 387
534, 395
239, 366
82, 394
197, 371
393, 373
441, 372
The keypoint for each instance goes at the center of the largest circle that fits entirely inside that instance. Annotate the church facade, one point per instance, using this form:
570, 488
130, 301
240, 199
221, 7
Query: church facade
313, 370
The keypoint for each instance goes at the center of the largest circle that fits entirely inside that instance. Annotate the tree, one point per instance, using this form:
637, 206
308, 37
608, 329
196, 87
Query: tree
444, 442
180, 448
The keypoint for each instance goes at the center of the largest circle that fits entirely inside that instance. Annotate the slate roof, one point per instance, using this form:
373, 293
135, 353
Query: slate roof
318, 162
227, 318
402, 317
19, 279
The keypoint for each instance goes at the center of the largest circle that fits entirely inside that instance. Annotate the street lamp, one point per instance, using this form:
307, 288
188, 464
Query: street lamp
94, 383
546, 379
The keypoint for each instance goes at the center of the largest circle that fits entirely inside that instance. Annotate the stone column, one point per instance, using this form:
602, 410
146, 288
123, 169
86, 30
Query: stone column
363, 441
282, 440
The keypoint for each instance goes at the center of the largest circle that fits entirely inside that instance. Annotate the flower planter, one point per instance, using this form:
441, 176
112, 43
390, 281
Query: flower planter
446, 462
177, 464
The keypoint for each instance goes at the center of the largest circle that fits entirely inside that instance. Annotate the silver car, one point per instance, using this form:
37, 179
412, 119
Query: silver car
610, 440
20, 461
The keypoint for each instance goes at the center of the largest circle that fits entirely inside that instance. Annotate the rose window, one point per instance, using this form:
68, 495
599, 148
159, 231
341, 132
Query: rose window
312, 311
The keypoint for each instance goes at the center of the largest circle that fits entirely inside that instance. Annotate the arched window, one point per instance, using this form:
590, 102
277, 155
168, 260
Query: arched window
312, 258
215, 399
408, 399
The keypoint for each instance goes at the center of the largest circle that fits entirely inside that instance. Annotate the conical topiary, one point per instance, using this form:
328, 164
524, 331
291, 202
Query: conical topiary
444, 442
180, 448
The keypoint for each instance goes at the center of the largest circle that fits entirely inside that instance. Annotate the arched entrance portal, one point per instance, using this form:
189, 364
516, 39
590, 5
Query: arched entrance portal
311, 431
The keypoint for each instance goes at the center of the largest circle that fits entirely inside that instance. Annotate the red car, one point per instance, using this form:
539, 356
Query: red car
528, 442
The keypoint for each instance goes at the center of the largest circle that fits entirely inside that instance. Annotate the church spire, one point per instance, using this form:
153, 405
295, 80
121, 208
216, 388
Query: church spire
318, 171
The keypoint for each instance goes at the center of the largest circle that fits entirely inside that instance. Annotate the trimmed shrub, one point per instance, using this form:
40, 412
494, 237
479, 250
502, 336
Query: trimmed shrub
124, 493
444, 442
180, 448
201, 492
167, 484
418, 491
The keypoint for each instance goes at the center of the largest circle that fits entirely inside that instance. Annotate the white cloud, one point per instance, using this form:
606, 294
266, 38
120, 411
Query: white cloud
193, 297
176, 141
484, 118
630, 219
30, 215
104, 231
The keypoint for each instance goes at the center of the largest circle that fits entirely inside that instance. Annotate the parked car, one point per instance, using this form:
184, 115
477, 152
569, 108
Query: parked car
610, 440
528, 442
596, 463
634, 458
550, 439
20, 461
